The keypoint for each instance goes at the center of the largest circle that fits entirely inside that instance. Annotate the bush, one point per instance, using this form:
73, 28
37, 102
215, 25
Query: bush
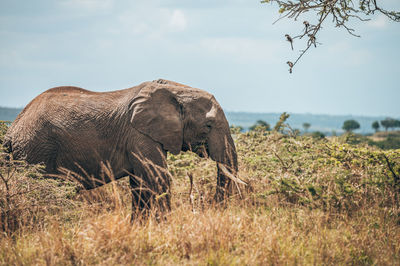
3, 129
26, 198
329, 176
392, 141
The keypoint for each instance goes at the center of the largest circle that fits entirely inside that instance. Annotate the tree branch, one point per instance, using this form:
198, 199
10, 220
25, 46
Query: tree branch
340, 10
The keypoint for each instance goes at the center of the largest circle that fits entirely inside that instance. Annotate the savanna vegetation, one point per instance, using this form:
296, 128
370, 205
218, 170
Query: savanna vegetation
308, 201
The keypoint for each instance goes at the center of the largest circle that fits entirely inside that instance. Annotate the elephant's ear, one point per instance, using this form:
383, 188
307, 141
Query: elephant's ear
157, 113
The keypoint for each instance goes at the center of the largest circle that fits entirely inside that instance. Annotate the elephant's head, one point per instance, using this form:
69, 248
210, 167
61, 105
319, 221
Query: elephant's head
182, 118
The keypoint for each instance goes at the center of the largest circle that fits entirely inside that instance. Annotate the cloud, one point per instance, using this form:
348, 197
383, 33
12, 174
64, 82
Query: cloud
154, 25
177, 20
380, 22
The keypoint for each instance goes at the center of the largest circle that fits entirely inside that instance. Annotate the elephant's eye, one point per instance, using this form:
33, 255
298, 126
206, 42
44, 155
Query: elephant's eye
209, 125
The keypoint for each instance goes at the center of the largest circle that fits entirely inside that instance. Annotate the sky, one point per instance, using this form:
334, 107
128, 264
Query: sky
229, 48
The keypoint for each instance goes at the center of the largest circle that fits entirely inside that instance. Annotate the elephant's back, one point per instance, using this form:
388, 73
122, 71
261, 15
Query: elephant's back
68, 89
60, 103
63, 106
53, 118
51, 106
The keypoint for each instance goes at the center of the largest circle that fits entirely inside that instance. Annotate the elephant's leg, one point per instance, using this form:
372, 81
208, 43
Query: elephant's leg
150, 183
141, 196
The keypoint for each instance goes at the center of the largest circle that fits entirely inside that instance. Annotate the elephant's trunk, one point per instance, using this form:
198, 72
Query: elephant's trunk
224, 153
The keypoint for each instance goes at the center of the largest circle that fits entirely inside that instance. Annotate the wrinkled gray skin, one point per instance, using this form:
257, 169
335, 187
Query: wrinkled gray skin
83, 131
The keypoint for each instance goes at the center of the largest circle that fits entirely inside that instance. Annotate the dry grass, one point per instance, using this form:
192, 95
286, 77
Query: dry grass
308, 202
213, 236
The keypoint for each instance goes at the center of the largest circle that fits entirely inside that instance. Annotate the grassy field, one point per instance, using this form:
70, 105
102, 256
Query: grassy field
308, 201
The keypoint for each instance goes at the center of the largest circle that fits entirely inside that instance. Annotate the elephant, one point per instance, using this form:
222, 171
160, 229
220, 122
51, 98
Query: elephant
122, 133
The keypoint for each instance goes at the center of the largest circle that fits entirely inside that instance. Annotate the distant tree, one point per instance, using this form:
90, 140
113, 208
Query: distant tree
385, 123
375, 125
306, 126
236, 129
280, 124
397, 123
318, 135
261, 124
390, 123
350, 125
341, 13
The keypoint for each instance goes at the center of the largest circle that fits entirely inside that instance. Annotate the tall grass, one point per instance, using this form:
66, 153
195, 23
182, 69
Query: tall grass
307, 201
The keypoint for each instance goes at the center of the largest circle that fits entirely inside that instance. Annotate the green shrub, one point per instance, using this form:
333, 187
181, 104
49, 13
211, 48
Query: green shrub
392, 141
331, 176
3, 129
